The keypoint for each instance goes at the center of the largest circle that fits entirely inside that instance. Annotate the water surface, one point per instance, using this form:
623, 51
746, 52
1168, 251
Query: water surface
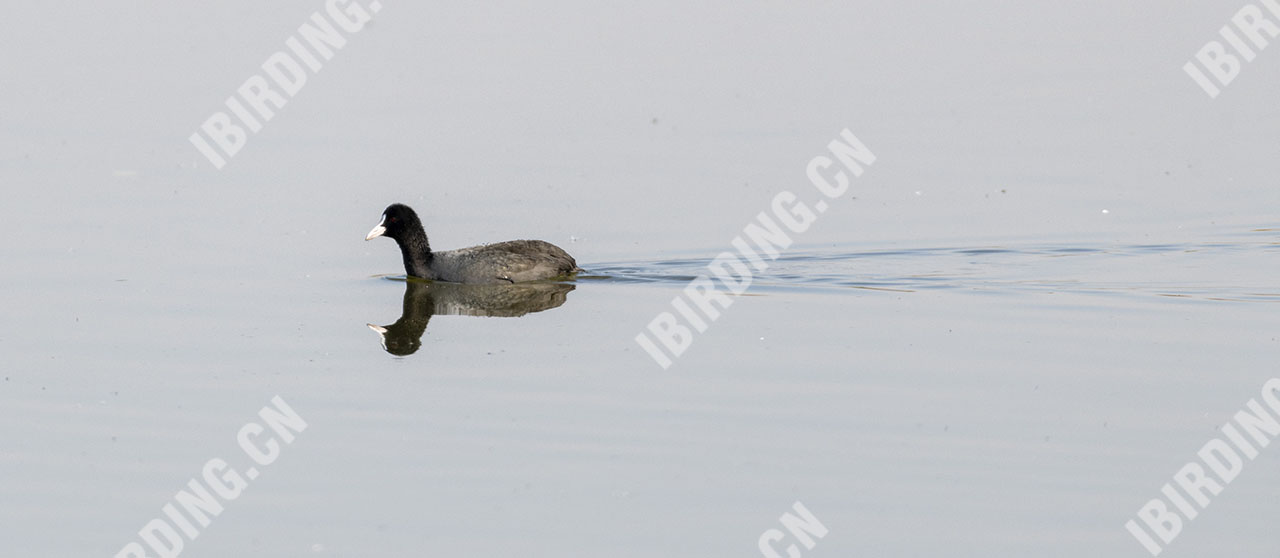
1053, 286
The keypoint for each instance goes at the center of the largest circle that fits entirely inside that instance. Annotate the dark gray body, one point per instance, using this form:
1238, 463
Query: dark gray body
513, 261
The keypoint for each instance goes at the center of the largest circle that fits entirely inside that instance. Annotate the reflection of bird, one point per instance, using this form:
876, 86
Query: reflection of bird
504, 262
423, 300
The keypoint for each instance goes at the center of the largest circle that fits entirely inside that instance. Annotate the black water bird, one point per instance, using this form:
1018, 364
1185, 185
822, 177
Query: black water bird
513, 261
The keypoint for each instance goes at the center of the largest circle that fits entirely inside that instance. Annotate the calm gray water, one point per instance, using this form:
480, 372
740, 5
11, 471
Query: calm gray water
1053, 286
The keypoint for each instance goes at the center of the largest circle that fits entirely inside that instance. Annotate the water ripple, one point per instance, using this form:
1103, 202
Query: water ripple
1187, 271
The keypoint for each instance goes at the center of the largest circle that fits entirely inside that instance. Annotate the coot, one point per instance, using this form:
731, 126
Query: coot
504, 262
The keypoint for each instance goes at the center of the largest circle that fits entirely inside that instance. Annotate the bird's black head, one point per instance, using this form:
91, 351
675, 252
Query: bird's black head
398, 221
